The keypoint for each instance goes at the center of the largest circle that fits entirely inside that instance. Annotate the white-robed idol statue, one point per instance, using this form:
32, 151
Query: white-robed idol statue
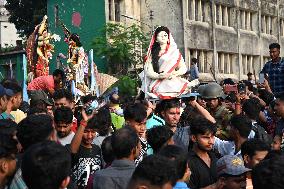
164, 67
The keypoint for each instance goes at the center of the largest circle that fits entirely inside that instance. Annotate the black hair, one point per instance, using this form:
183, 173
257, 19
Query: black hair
280, 97
250, 147
114, 100
154, 170
158, 136
45, 165
273, 154
228, 81
269, 174
242, 123
8, 127
37, 103
194, 60
178, 155
8, 146
107, 151
266, 96
123, 141
34, 129
249, 74
13, 85
37, 110
156, 48
24, 106
101, 122
75, 37
136, 112
202, 126
62, 93
63, 114
274, 45
88, 98
58, 72
251, 107
168, 104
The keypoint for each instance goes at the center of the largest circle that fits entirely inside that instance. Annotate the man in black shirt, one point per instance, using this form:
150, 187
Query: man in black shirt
86, 157
202, 162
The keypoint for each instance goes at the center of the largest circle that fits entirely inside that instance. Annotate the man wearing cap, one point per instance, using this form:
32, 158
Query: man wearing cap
14, 101
46, 84
231, 173
4, 93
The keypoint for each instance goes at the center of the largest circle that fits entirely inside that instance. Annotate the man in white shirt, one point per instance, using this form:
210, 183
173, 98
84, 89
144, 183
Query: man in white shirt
63, 118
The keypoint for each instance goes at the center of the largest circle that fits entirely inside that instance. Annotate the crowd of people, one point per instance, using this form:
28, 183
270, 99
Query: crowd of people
224, 136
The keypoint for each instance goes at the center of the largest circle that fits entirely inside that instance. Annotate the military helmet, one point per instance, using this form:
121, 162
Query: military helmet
200, 89
212, 90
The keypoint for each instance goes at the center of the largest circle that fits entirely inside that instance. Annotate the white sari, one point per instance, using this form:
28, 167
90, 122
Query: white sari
170, 61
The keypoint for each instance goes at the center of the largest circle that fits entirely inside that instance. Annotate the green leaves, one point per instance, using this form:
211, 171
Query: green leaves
26, 14
121, 46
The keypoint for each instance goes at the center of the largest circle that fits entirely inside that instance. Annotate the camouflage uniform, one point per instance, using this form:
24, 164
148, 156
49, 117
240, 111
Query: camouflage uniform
222, 116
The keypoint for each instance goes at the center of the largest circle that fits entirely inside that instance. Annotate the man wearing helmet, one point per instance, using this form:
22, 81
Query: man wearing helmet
212, 94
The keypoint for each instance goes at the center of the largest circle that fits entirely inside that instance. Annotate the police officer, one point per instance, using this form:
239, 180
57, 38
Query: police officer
213, 94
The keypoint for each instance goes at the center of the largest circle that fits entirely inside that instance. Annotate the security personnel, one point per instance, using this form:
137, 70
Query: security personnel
213, 94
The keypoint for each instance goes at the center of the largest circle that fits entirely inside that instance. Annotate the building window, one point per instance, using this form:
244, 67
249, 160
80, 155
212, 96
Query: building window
250, 63
114, 10
246, 20
222, 15
204, 59
267, 24
282, 27
226, 62
198, 10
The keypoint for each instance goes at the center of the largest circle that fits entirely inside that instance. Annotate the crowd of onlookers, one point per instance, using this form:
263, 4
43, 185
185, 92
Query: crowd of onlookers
221, 136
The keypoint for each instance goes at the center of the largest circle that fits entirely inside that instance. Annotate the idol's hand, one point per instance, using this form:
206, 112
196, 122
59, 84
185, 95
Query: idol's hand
164, 75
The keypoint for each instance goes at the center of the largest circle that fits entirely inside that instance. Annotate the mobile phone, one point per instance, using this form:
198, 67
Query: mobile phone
230, 88
261, 78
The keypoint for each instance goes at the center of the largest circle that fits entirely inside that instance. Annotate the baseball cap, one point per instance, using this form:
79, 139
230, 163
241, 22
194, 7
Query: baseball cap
40, 96
231, 165
4, 91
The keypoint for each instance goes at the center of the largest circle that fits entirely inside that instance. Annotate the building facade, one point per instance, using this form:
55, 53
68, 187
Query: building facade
229, 37
8, 31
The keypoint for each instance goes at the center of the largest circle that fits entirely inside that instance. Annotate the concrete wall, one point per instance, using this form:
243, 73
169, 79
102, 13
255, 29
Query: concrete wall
165, 13
235, 32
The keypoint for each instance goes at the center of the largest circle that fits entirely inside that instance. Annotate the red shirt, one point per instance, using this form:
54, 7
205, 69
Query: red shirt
44, 83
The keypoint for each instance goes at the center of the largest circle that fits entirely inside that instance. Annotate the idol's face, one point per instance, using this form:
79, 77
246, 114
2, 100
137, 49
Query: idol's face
162, 37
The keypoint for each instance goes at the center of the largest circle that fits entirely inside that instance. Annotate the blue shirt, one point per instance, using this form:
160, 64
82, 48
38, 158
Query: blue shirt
194, 73
180, 185
154, 121
5, 115
275, 73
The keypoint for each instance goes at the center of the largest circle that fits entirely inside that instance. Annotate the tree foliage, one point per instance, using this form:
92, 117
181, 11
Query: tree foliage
26, 14
122, 47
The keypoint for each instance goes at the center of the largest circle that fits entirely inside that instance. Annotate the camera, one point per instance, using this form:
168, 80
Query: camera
93, 106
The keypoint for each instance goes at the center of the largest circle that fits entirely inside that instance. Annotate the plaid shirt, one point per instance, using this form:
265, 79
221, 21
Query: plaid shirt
18, 182
275, 72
